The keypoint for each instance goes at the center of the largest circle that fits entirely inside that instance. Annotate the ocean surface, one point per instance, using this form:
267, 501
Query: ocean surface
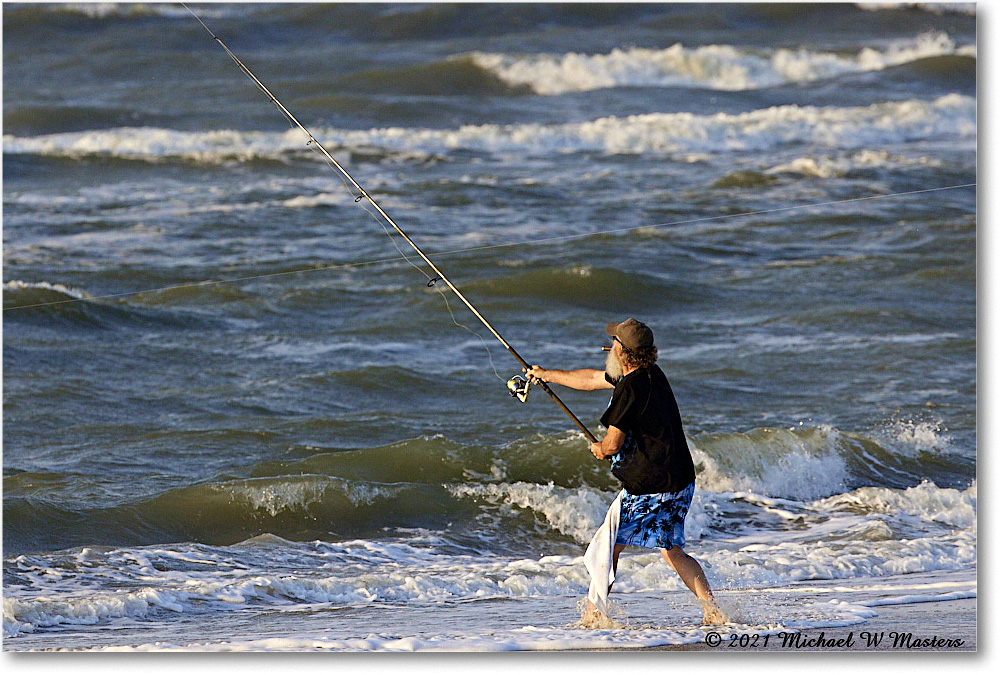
235, 417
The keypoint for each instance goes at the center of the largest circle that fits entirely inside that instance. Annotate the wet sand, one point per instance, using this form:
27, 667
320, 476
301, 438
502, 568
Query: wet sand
953, 620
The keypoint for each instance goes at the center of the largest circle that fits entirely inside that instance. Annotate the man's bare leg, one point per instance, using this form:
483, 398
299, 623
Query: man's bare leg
693, 576
591, 610
614, 560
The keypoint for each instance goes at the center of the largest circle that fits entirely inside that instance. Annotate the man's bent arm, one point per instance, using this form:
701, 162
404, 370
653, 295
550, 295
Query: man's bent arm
610, 444
585, 379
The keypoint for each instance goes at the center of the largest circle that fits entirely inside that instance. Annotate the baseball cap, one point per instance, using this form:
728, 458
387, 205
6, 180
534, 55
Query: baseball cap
632, 334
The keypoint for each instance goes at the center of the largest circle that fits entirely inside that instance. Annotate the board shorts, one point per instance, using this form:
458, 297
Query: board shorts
656, 520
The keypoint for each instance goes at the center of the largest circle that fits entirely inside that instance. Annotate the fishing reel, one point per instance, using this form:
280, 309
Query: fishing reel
518, 386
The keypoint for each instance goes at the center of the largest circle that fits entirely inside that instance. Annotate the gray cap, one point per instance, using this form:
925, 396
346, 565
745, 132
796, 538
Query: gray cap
631, 333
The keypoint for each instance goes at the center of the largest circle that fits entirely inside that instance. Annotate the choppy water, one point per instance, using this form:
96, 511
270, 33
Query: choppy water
190, 464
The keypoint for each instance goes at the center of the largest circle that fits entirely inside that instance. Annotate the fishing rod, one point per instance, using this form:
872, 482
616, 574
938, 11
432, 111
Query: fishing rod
545, 240
517, 386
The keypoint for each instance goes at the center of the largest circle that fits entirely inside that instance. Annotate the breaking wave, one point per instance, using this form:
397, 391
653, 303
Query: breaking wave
869, 532
434, 483
119, 10
721, 67
950, 117
967, 8
56, 305
18, 293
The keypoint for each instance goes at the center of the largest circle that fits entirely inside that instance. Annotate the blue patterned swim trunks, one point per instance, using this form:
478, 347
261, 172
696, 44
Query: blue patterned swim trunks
654, 521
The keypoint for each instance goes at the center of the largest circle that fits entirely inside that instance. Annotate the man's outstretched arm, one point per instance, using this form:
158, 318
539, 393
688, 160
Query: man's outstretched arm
585, 379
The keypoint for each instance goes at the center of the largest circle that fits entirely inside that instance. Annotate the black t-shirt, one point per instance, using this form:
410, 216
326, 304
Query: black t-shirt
643, 406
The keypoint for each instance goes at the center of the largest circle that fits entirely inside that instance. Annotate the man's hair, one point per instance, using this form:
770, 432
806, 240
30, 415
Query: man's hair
642, 357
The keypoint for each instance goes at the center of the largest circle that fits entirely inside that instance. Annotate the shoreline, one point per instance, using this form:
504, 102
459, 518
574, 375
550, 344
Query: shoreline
953, 620
920, 612
944, 620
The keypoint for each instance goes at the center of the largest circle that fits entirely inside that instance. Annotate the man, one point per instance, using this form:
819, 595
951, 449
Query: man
648, 452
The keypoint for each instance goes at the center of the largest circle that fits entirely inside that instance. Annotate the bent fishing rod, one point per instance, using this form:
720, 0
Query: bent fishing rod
517, 386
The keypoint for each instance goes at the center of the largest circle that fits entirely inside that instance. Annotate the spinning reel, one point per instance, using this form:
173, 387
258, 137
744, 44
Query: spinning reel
518, 386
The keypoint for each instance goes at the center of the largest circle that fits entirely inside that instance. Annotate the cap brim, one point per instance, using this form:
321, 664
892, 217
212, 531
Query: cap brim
612, 328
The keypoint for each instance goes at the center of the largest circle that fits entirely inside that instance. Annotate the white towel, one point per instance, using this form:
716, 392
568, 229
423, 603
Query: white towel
598, 557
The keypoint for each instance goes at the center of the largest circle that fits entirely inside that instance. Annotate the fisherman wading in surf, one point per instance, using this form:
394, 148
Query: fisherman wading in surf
644, 441
649, 455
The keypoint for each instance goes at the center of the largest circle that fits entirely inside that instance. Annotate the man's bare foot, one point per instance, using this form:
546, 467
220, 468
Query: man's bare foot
713, 615
595, 618
591, 616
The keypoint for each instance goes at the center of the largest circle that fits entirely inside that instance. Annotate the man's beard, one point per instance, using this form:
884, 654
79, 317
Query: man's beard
613, 367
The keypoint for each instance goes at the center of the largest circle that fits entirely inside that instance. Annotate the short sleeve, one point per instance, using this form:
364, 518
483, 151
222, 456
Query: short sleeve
621, 411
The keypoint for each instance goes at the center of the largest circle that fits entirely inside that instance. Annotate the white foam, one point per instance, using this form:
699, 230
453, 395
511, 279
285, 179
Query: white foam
868, 532
827, 166
911, 437
915, 599
798, 464
865, 533
318, 200
44, 611
17, 285
287, 494
788, 609
153, 144
772, 564
576, 512
529, 638
968, 8
926, 502
103, 10
951, 117
721, 67
350, 574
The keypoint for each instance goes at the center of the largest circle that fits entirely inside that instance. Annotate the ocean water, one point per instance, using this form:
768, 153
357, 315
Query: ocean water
235, 417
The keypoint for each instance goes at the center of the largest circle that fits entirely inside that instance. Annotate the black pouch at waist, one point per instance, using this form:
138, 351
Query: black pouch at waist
640, 475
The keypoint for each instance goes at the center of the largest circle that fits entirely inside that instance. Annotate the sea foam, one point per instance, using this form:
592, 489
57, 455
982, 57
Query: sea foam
300, 492
968, 8
927, 502
951, 117
111, 10
721, 67
576, 512
797, 464
865, 533
16, 285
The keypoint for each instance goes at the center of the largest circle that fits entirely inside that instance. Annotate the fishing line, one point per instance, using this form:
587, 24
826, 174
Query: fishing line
525, 242
431, 281
359, 198
318, 148
363, 194
209, 282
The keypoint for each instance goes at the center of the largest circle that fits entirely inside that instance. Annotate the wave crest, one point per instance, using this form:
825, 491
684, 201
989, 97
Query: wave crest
949, 117
575, 512
720, 67
18, 293
799, 464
